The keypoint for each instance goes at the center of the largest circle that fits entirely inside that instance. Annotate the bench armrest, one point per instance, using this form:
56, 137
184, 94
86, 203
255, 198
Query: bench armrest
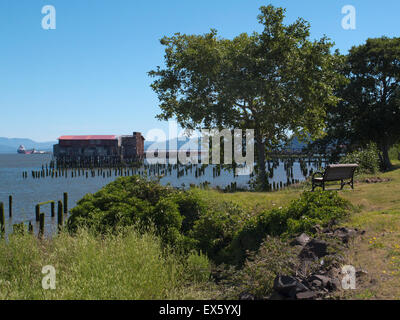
318, 172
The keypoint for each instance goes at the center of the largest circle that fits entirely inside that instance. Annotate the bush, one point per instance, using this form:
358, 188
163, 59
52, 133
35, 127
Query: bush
394, 152
214, 231
315, 208
198, 267
274, 257
138, 201
192, 206
318, 207
367, 159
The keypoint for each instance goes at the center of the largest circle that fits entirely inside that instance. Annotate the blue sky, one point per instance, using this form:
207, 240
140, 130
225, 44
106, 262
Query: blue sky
89, 76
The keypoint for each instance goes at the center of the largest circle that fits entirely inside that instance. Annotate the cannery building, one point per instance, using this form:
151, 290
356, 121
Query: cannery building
127, 147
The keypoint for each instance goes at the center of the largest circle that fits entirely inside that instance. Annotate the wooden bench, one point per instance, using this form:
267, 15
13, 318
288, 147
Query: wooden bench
335, 172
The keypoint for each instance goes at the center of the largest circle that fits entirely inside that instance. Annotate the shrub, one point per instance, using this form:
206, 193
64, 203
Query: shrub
260, 269
166, 218
319, 207
367, 159
394, 152
198, 267
191, 205
122, 202
216, 228
138, 201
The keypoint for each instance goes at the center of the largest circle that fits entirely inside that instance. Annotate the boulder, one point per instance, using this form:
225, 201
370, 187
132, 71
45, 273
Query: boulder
306, 295
316, 229
301, 240
314, 249
325, 281
335, 284
288, 286
344, 234
316, 283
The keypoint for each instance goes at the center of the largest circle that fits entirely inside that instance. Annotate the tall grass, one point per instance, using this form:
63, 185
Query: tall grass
123, 266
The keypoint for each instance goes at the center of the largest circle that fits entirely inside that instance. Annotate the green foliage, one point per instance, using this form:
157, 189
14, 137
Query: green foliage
198, 267
138, 201
192, 205
370, 106
122, 265
319, 207
394, 152
367, 159
216, 228
274, 257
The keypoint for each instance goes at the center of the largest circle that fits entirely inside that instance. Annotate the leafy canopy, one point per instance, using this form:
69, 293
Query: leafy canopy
370, 106
273, 81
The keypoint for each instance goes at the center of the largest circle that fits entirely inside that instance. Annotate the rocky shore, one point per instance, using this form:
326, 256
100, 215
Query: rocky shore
321, 258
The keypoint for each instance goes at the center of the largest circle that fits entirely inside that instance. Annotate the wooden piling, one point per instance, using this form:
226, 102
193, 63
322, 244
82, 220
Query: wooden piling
2, 218
30, 228
41, 225
60, 215
65, 202
37, 212
10, 205
52, 209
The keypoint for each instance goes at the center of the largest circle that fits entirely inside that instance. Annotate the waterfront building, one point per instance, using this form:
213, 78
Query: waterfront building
80, 147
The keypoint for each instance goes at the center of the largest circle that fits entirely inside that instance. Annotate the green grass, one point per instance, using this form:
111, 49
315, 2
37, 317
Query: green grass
123, 266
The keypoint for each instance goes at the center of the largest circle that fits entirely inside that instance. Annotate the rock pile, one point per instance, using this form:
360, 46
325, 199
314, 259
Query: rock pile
375, 180
318, 273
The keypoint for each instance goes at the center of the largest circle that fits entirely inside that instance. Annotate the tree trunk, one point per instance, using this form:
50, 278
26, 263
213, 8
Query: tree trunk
387, 165
262, 176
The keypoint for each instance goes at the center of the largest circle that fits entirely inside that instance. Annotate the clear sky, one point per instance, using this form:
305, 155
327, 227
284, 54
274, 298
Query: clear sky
89, 75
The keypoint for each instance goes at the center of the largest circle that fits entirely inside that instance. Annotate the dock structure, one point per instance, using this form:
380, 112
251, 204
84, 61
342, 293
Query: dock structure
107, 149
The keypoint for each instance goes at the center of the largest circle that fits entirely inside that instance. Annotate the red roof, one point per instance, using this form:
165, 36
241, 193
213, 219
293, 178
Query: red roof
93, 137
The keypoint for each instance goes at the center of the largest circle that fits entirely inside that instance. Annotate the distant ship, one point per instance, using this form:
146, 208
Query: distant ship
22, 150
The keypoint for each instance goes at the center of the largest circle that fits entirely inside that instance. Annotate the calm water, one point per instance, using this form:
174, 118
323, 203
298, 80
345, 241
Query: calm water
28, 192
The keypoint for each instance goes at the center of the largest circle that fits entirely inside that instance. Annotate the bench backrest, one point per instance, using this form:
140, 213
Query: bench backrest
339, 171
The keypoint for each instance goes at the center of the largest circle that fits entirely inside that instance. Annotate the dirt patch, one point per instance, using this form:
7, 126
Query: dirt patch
373, 180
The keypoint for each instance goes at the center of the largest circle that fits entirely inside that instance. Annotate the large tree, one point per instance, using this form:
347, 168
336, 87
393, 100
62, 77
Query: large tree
274, 82
369, 110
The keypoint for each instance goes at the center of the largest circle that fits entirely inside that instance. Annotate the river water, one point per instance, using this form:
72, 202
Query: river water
27, 192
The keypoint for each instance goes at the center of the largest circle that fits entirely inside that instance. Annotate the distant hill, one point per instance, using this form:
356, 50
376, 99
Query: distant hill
193, 144
10, 145
296, 144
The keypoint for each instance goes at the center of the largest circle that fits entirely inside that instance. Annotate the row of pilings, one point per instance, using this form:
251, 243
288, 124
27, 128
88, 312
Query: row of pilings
179, 170
38, 217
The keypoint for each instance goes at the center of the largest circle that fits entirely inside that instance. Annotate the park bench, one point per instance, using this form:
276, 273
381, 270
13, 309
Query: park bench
335, 172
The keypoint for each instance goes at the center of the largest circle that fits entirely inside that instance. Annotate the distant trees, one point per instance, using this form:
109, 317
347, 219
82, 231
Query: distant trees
274, 82
370, 107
